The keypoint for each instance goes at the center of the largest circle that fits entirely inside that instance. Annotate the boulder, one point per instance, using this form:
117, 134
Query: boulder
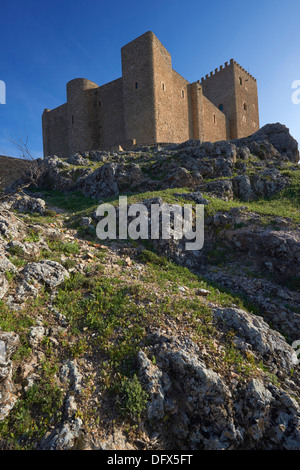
270, 344
272, 140
9, 342
47, 272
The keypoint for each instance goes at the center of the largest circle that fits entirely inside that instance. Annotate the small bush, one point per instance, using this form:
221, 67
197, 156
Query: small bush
67, 248
148, 256
16, 251
133, 399
50, 213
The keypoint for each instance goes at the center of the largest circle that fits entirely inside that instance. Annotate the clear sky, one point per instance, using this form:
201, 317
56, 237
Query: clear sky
46, 43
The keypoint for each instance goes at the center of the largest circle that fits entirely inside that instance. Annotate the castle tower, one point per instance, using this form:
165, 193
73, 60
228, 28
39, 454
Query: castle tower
155, 97
81, 115
138, 89
234, 91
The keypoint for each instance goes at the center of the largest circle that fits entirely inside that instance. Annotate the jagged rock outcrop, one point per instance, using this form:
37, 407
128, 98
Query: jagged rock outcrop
244, 231
191, 406
183, 165
9, 342
272, 140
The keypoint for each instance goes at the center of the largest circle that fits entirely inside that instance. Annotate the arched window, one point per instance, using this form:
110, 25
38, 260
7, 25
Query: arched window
241, 81
221, 107
245, 106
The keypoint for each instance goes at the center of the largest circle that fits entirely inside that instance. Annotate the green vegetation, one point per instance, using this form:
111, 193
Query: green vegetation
71, 202
285, 203
40, 406
132, 399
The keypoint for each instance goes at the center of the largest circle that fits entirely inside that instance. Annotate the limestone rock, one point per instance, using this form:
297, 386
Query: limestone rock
27, 204
64, 437
254, 330
195, 409
8, 345
48, 272
77, 160
277, 136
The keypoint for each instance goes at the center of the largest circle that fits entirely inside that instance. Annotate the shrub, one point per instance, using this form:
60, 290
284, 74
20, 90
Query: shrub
148, 256
133, 399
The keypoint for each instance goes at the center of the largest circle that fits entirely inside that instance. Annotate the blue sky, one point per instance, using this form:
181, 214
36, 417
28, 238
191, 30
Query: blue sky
46, 43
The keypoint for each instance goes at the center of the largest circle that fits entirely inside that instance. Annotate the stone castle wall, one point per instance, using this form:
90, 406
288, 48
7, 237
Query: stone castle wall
152, 103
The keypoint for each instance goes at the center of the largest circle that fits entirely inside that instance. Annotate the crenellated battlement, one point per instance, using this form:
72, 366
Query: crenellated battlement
224, 68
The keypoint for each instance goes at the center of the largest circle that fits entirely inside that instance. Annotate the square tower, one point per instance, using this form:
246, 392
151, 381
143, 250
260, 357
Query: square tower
138, 89
234, 92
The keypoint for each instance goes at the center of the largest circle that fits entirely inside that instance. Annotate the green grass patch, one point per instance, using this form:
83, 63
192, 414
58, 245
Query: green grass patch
71, 201
32, 415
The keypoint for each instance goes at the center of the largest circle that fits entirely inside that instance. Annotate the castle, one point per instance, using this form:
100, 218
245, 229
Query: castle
151, 103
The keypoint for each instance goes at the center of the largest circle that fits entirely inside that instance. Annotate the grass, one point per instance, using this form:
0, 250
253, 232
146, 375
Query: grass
71, 202
40, 406
285, 203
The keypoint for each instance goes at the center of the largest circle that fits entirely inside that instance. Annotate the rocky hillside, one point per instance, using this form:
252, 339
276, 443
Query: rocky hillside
141, 344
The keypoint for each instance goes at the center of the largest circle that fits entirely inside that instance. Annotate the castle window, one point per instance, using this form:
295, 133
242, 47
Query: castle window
221, 107
182, 93
215, 119
241, 81
72, 119
99, 103
136, 85
163, 85
245, 106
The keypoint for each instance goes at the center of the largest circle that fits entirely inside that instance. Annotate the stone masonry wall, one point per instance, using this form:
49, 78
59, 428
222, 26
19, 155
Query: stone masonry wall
55, 131
110, 114
163, 93
214, 122
181, 124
